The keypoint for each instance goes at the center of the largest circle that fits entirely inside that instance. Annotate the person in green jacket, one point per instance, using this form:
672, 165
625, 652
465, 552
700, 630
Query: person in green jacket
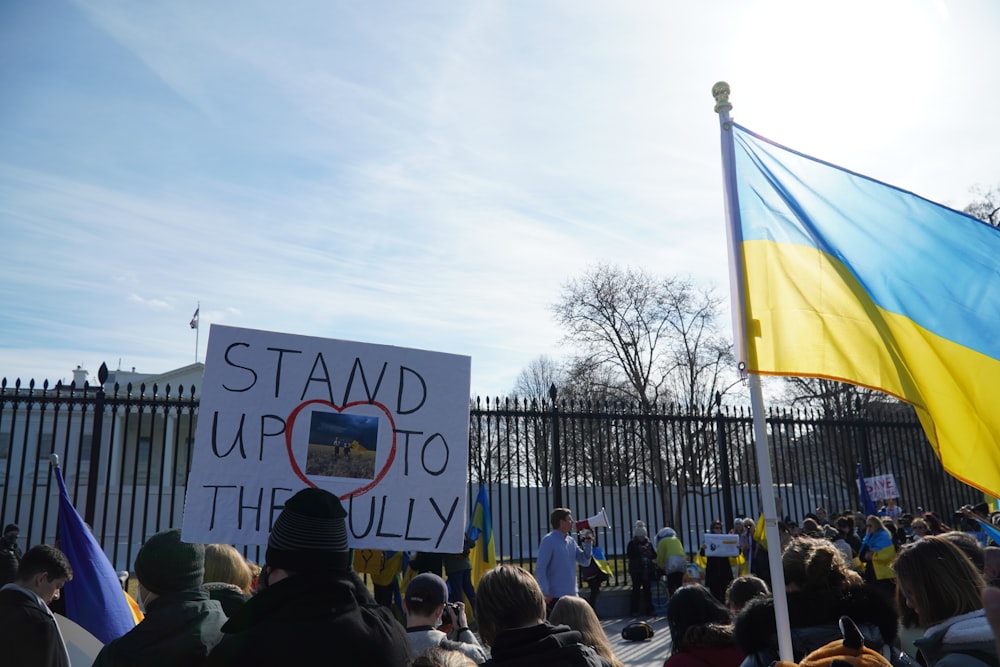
671, 557
181, 623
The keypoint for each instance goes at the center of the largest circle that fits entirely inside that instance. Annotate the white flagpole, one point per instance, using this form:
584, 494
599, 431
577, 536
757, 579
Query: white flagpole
735, 241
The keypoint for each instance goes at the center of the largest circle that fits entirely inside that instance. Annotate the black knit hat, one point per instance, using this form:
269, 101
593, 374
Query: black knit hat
166, 564
10, 527
310, 534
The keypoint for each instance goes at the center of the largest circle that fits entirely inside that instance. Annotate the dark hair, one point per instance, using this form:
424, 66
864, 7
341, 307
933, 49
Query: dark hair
557, 515
47, 559
692, 606
814, 564
969, 545
508, 597
743, 589
810, 526
940, 581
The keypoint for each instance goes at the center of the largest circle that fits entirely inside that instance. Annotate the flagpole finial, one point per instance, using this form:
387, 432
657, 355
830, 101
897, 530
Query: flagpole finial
54, 460
720, 91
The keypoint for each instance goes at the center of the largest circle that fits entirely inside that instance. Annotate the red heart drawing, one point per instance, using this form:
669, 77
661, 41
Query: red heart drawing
290, 424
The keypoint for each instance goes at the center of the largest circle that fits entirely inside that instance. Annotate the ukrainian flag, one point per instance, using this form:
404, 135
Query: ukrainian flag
484, 555
847, 278
601, 561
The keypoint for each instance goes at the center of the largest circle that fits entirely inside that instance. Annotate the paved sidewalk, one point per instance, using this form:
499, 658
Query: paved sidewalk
649, 653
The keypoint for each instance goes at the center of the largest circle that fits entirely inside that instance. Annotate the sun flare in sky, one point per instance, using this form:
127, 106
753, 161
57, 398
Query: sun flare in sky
837, 61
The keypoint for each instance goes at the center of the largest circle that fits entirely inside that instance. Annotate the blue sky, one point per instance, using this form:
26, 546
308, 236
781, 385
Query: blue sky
427, 174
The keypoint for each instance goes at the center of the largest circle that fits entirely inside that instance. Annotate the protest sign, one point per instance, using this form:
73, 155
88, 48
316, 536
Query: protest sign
383, 428
881, 487
719, 544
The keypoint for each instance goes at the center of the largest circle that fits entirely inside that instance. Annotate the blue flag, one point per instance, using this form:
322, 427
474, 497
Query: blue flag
94, 596
866, 499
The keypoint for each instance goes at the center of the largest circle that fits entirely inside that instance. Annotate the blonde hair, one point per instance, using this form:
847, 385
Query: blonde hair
223, 563
441, 657
578, 614
814, 564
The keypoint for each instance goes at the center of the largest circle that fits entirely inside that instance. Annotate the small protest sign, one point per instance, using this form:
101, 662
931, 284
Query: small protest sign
383, 428
717, 544
881, 487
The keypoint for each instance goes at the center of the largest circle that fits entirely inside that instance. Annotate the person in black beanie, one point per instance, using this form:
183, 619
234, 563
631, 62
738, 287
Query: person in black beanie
182, 624
311, 606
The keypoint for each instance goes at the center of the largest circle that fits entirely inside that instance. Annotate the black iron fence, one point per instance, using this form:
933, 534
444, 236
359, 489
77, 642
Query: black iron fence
677, 467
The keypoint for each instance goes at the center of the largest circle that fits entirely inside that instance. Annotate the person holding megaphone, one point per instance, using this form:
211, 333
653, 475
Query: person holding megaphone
558, 556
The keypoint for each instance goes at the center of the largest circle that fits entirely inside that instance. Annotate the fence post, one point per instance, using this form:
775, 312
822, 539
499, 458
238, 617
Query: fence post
724, 476
96, 435
557, 495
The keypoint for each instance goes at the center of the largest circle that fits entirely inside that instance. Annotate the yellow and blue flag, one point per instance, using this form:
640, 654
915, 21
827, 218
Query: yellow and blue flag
601, 561
840, 276
484, 555
94, 596
760, 531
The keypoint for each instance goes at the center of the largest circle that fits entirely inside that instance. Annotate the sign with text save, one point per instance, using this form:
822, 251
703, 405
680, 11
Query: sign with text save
383, 428
881, 487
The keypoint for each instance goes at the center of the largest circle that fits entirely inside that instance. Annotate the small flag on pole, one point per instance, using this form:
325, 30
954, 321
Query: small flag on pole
866, 498
94, 596
481, 532
194, 318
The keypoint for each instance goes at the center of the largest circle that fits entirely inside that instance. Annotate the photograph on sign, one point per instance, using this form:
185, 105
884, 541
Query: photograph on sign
383, 428
342, 445
722, 545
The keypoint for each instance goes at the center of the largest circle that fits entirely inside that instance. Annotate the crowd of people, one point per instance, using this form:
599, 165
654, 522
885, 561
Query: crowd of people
897, 575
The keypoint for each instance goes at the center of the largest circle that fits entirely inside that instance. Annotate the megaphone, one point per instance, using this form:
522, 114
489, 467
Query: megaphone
599, 520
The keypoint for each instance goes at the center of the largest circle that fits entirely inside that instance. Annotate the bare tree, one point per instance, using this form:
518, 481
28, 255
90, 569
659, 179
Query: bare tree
657, 335
987, 207
655, 340
534, 381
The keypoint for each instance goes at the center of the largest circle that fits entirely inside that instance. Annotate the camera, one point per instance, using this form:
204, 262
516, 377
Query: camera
453, 607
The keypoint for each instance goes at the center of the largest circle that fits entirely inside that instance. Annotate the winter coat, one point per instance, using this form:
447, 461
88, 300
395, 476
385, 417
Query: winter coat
707, 645
306, 616
543, 645
8, 566
229, 596
641, 559
33, 638
179, 628
670, 556
425, 637
814, 617
961, 641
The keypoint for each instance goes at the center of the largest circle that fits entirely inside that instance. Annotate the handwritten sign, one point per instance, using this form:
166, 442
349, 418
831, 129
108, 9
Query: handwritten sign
881, 487
383, 428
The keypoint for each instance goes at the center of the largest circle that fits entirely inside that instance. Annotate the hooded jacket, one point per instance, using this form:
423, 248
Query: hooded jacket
543, 645
179, 628
814, 617
961, 641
